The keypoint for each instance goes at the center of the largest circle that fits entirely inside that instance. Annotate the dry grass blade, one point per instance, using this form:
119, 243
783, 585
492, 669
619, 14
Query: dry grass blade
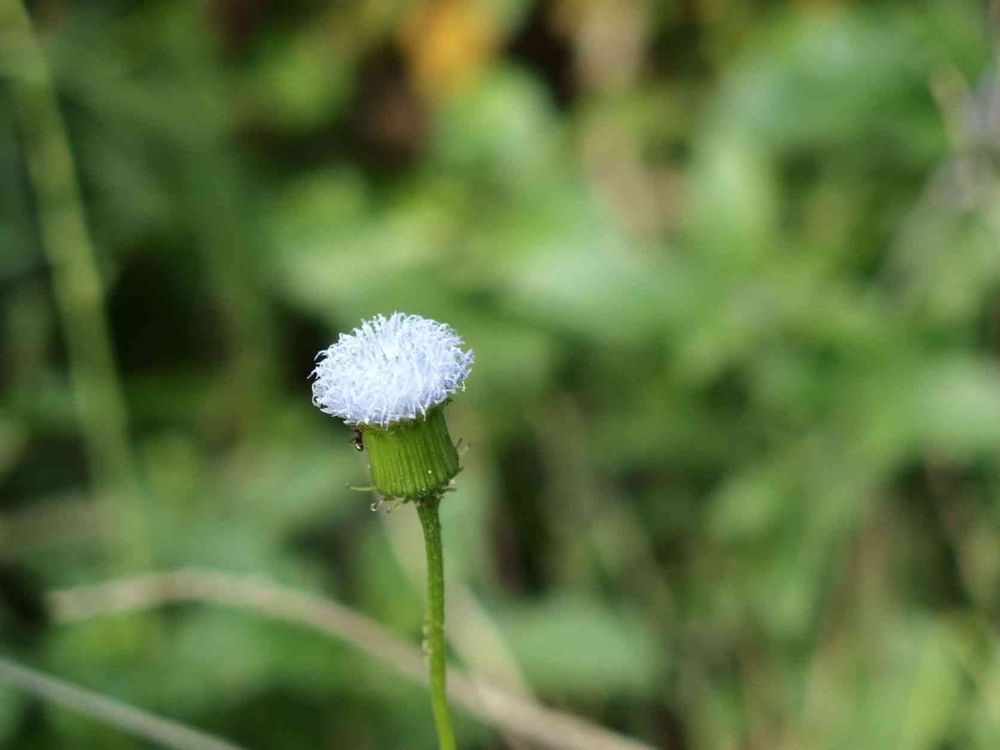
501, 708
129, 719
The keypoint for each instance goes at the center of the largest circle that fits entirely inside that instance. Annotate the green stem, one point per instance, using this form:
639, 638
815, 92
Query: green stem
76, 283
427, 509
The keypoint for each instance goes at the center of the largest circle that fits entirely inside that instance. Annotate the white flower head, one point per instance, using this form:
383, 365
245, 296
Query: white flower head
390, 369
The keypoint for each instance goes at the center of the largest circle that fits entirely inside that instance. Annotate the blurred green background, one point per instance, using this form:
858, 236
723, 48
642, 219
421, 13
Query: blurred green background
731, 269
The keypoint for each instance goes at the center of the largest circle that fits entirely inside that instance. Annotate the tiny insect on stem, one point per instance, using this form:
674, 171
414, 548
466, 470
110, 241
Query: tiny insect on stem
358, 440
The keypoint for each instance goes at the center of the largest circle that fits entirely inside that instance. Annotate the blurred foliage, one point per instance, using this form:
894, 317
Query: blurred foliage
731, 273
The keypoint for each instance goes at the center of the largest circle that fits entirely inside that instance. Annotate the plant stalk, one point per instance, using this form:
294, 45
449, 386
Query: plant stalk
427, 509
76, 284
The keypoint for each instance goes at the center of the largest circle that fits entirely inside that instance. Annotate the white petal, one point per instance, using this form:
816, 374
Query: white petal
390, 369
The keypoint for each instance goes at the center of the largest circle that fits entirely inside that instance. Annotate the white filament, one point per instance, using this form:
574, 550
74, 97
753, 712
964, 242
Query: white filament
390, 369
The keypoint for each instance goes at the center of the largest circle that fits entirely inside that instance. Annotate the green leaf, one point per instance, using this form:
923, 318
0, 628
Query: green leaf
579, 645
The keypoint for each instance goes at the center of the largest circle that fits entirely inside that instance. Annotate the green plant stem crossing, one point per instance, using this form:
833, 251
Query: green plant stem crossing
76, 284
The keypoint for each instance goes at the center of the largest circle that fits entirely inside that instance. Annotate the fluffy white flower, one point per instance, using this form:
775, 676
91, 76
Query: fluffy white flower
390, 369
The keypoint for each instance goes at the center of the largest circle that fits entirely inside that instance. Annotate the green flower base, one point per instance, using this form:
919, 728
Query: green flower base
411, 459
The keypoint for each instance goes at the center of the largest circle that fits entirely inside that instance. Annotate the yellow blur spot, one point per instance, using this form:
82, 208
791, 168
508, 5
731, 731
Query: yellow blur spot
446, 44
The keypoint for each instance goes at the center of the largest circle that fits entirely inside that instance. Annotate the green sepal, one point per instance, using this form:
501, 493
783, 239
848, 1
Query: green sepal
411, 459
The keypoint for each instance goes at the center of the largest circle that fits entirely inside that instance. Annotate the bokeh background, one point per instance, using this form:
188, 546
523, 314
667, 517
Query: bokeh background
731, 269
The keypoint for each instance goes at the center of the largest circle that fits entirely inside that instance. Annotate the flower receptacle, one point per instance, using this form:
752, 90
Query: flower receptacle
411, 459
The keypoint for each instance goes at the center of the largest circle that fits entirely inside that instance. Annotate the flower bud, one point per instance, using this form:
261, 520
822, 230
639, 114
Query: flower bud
390, 378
